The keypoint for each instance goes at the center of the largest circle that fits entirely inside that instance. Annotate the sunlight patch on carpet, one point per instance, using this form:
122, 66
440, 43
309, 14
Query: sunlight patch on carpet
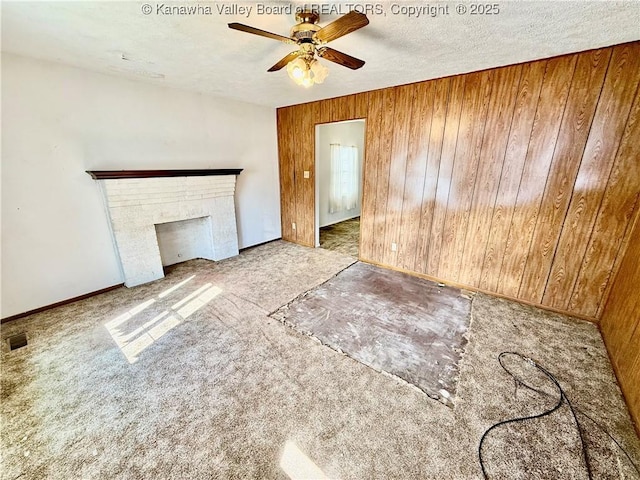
299, 466
133, 333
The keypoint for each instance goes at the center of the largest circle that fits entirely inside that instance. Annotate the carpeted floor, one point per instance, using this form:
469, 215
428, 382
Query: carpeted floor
342, 237
217, 389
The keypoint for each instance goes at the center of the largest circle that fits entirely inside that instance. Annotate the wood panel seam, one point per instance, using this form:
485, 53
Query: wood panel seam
444, 129
424, 178
546, 183
475, 180
522, 172
453, 167
504, 159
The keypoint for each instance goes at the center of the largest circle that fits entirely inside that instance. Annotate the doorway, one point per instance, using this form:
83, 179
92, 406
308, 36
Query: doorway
339, 160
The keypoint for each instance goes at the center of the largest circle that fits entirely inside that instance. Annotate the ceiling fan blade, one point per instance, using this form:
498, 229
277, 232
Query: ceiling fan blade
284, 61
340, 58
346, 24
262, 33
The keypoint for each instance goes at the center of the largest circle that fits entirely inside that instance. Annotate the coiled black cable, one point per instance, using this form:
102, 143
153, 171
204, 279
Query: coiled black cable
562, 398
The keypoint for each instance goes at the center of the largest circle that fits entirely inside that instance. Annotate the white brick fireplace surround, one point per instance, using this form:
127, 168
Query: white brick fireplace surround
138, 201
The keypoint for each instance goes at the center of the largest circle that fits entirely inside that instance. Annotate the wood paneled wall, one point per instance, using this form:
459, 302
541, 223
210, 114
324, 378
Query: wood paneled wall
620, 325
520, 181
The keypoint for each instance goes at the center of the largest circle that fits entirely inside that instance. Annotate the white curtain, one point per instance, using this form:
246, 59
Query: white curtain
343, 190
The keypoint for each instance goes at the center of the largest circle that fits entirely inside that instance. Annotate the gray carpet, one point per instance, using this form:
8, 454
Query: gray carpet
224, 391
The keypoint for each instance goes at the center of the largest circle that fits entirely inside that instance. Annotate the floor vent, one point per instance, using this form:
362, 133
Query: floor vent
17, 341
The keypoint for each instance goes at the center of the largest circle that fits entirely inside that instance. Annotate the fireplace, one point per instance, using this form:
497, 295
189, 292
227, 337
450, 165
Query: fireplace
166, 216
184, 240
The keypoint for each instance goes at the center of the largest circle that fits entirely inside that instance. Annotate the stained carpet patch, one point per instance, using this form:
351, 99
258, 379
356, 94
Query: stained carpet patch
393, 322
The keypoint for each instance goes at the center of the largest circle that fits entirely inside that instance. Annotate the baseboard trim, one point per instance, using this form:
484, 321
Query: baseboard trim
243, 249
59, 304
480, 290
93, 294
340, 221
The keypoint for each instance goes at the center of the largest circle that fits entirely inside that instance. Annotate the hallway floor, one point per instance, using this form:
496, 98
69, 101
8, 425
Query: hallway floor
342, 237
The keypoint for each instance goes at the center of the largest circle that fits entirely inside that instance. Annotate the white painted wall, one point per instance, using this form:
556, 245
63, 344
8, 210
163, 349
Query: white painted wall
344, 133
59, 121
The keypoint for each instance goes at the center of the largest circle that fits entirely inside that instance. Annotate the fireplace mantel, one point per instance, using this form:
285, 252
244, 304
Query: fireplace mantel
115, 174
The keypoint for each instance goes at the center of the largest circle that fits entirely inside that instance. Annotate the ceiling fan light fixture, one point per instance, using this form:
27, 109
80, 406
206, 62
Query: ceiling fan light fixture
296, 70
307, 72
320, 72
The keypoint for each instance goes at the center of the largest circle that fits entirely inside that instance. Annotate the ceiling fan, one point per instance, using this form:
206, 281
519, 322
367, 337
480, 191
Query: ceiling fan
311, 39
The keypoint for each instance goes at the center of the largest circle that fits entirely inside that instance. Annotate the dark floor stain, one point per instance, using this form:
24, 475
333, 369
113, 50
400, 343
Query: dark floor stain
393, 322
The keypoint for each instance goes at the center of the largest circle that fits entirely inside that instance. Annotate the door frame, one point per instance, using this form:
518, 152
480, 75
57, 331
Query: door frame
316, 197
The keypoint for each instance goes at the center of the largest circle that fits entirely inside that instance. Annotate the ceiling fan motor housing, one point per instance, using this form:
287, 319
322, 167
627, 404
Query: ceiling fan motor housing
307, 17
304, 31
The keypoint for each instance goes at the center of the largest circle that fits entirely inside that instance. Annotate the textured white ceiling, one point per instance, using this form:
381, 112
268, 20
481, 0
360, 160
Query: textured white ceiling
198, 52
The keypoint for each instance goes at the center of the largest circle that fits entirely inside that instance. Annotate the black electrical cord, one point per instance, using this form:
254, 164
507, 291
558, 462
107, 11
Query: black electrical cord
562, 398
575, 410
